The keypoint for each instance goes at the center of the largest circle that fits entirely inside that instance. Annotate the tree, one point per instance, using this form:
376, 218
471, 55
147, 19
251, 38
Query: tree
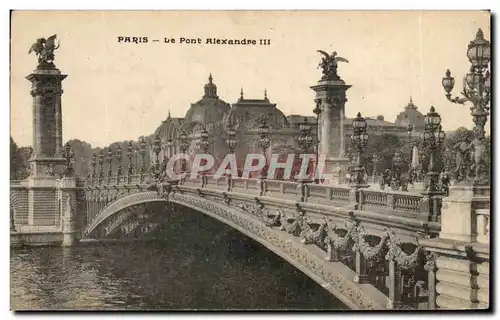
385, 146
14, 159
19, 161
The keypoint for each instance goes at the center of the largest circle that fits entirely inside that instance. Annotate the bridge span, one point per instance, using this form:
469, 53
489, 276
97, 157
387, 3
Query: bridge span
371, 249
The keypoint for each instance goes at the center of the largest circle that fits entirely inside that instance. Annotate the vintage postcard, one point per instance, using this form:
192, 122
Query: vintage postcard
250, 160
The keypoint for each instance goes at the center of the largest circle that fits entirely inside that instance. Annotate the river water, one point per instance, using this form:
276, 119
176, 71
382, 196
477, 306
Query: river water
194, 262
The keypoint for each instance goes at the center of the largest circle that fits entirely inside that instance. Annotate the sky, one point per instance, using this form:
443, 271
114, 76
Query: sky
120, 91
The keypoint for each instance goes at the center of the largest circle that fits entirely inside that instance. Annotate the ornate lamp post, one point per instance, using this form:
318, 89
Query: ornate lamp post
432, 139
109, 159
119, 157
411, 170
92, 165
130, 154
101, 166
156, 149
376, 160
142, 152
168, 144
359, 140
183, 143
183, 147
69, 156
231, 144
317, 112
203, 142
476, 90
264, 142
305, 140
231, 135
410, 131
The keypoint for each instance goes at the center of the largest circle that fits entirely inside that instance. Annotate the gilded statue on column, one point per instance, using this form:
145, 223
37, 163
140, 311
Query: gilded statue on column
329, 65
44, 49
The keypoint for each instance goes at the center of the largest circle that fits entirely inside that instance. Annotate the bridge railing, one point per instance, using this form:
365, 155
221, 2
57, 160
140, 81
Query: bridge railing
408, 204
383, 201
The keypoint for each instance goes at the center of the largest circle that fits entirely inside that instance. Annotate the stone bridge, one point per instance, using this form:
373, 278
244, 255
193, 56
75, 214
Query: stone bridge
371, 249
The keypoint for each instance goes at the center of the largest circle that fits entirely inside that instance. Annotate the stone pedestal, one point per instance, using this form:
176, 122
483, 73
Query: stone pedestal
335, 169
67, 198
462, 210
457, 215
42, 201
460, 275
483, 225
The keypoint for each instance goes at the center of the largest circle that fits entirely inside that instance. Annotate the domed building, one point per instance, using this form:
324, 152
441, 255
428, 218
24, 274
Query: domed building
411, 116
215, 115
246, 115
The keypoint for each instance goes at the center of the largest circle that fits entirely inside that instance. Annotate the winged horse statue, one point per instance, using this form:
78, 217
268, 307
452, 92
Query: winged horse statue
44, 49
329, 64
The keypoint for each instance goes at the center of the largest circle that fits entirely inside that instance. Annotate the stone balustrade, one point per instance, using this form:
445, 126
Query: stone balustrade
404, 203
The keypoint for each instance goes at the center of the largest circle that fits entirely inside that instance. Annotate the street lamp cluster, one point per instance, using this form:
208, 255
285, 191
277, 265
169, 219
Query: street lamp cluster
477, 91
231, 137
264, 140
432, 138
305, 139
359, 140
203, 143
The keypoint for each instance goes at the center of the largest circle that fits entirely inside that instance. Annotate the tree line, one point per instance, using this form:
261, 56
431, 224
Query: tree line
385, 146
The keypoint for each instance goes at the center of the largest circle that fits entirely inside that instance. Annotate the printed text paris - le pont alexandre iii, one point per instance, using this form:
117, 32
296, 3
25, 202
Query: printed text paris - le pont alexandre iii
191, 41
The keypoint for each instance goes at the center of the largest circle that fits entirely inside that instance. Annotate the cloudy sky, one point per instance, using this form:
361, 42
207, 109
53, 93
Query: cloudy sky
116, 91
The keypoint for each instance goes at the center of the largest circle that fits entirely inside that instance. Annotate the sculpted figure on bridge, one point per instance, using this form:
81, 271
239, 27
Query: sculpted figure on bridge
329, 65
463, 154
274, 220
479, 147
44, 49
316, 237
294, 225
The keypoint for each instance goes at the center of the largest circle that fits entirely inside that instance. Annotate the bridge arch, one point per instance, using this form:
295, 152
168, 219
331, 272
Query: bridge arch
330, 275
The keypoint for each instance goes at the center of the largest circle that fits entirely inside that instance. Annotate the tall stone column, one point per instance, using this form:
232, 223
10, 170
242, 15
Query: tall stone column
331, 95
46, 90
326, 128
47, 163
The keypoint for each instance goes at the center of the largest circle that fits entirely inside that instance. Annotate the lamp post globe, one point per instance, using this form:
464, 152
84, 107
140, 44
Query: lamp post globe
479, 51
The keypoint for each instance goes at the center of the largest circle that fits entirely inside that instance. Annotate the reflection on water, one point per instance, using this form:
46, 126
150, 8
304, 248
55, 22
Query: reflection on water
195, 262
